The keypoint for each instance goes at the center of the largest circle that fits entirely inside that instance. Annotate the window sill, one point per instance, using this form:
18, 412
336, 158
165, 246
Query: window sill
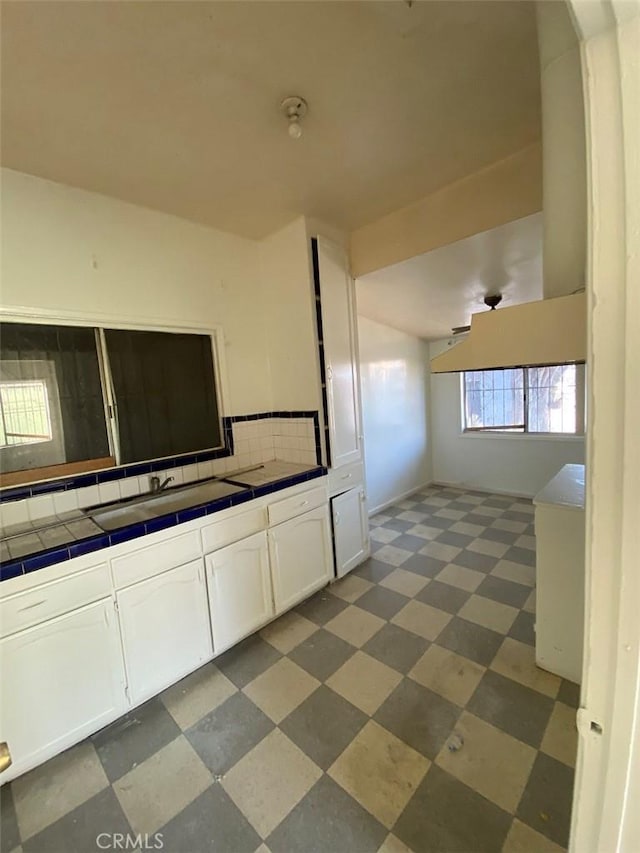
524, 436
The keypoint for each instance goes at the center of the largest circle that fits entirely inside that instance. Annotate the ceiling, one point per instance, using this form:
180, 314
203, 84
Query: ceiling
428, 295
174, 105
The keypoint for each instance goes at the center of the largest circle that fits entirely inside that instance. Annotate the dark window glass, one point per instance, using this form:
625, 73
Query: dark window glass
164, 390
51, 404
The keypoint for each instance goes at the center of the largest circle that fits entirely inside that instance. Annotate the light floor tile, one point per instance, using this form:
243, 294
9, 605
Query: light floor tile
384, 535
467, 579
530, 603
489, 761
381, 518
516, 660
391, 844
156, 790
511, 526
288, 631
488, 547
406, 583
197, 695
423, 531
447, 674
354, 625
523, 839
561, 737
412, 516
491, 614
379, 771
280, 689
516, 572
364, 681
526, 542
453, 514
422, 619
50, 791
351, 588
391, 555
440, 551
466, 529
268, 782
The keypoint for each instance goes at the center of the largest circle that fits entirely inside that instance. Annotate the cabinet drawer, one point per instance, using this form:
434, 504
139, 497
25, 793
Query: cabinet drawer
345, 477
147, 562
44, 602
231, 530
296, 505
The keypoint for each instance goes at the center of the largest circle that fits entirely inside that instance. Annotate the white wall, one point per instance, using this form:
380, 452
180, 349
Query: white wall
394, 376
516, 464
74, 251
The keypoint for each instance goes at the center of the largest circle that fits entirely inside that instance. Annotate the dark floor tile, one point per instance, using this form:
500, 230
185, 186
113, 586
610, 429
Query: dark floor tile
135, 737
418, 716
546, 802
382, 602
9, 832
323, 726
474, 560
499, 503
523, 628
408, 542
517, 516
248, 659
460, 505
443, 596
79, 830
321, 607
477, 517
399, 524
437, 521
321, 654
396, 647
457, 539
420, 564
506, 592
375, 546
374, 570
470, 640
212, 822
512, 707
327, 819
521, 555
504, 536
530, 531
569, 693
445, 816
229, 732
451, 494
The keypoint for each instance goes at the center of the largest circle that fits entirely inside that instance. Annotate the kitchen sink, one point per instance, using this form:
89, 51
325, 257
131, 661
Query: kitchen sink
146, 507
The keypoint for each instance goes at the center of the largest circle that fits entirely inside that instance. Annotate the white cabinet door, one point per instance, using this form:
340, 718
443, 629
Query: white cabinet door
301, 557
340, 353
350, 530
239, 586
165, 629
61, 681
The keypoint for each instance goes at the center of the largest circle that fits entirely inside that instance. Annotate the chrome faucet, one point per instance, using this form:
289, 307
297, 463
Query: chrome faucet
157, 486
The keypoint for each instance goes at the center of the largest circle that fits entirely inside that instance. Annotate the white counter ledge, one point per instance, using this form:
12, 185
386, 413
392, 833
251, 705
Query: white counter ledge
566, 489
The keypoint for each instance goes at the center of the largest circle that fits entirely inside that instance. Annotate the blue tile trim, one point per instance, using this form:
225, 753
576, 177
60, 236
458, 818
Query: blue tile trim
42, 559
140, 468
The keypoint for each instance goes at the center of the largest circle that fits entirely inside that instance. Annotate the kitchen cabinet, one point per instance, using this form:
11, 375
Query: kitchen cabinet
350, 529
301, 558
164, 622
62, 680
239, 587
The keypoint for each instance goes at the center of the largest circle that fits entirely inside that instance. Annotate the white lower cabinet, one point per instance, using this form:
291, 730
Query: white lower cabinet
165, 629
350, 530
301, 558
239, 584
61, 681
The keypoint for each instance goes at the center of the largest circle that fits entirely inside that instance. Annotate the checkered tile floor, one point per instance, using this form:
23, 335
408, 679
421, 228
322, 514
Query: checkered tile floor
398, 710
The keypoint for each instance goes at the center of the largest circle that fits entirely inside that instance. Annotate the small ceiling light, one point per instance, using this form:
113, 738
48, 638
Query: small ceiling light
295, 109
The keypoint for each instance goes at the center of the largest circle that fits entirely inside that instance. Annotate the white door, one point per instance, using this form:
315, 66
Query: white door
239, 585
350, 530
340, 352
165, 629
61, 681
301, 557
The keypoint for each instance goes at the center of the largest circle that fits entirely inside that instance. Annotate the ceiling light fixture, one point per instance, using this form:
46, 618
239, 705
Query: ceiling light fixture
295, 109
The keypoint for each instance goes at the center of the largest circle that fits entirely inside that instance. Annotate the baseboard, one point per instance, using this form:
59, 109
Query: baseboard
473, 488
402, 497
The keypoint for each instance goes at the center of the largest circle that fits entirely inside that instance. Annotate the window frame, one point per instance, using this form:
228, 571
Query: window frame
47, 317
522, 430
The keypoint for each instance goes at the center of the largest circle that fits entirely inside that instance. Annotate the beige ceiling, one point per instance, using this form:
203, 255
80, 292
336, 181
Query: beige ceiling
174, 105
430, 294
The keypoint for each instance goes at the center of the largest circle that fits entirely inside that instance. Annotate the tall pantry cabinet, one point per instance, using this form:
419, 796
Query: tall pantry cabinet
339, 375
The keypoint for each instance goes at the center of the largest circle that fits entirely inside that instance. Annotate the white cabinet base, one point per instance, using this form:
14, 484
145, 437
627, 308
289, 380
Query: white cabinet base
350, 530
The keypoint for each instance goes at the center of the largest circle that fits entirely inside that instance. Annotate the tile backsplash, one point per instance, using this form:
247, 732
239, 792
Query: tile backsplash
287, 436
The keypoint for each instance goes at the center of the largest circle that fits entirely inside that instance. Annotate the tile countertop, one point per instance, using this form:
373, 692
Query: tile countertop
53, 540
566, 489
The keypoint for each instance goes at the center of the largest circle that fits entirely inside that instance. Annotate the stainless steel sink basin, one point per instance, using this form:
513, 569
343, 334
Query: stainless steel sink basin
151, 506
